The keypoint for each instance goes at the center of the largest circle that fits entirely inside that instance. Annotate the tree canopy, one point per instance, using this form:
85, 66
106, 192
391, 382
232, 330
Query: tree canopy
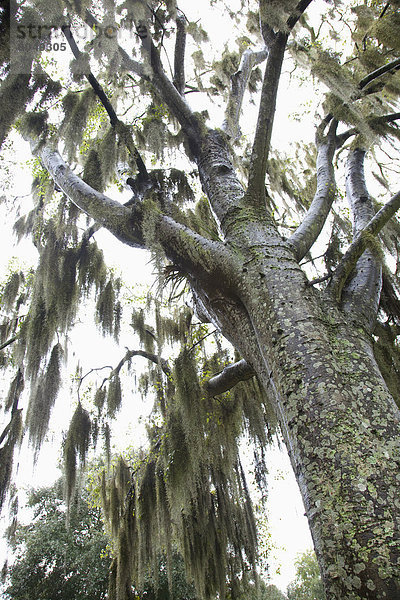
277, 307
56, 561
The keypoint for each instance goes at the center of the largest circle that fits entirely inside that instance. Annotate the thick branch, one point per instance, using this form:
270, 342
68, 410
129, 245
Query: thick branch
392, 66
200, 257
173, 99
216, 171
239, 82
361, 294
206, 260
298, 11
229, 377
276, 43
110, 214
357, 193
359, 245
218, 178
310, 228
179, 57
175, 102
262, 139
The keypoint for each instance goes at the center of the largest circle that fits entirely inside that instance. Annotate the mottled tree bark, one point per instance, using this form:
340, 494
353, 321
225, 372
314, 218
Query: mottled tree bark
340, 423
342, 431
361, 294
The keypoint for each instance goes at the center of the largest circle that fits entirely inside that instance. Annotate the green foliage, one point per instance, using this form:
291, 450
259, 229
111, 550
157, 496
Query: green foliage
11, 289
271, 592
77, 109
224, 69
287, 180
108, 154
308, 584
42, 185
54, 296
145, 333
201, 219
106, 307
15, 94
53, 561
197, 32
260, 592
34, 124
100, 397
92, 269
276, 13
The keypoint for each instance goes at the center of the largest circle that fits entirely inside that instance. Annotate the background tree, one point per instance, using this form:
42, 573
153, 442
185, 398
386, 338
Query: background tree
308, 584
316, 355
269, 592
56, 561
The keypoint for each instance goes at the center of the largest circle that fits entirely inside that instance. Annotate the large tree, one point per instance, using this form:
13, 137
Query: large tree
315, 349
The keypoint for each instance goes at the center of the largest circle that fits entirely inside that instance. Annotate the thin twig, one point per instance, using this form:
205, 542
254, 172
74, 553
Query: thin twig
319, 280
89, 373
202, 339
8, 342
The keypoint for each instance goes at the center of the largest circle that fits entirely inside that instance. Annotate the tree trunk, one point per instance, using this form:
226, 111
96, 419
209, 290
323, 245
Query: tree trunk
339, 421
